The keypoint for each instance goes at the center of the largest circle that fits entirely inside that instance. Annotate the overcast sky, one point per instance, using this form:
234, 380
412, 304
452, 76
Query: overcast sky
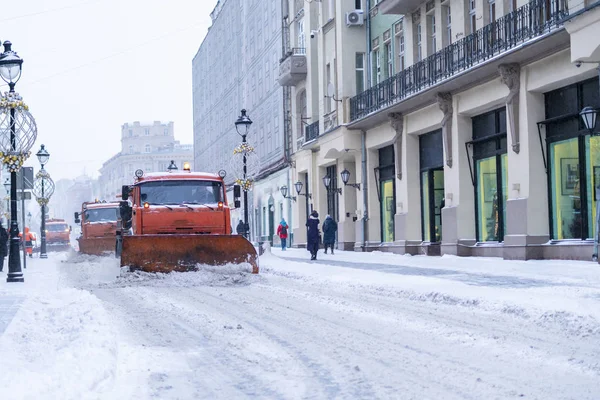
92, 65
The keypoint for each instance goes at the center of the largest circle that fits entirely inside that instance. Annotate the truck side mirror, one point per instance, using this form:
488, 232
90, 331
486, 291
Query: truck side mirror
125, 189
237, 191
77, 220
126, 214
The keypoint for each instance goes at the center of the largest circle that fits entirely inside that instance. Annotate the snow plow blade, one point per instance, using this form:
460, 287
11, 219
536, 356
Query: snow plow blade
97, 246
167, 253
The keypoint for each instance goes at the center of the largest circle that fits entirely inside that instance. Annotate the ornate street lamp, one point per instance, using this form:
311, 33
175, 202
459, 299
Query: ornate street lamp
18, 132
589, 116
346, 176
43, 188
172, 167
242, 126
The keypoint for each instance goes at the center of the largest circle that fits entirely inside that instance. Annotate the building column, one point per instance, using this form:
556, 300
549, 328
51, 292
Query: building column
349, 221
458, 214
527, 224
407, 221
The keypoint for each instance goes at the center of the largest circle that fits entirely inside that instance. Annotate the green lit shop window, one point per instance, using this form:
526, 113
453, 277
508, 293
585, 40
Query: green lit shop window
491, 175
573, 162
385, 175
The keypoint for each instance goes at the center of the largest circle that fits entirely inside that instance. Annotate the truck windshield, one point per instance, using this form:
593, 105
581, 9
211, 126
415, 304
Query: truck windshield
180, 192
100, 215
57, 227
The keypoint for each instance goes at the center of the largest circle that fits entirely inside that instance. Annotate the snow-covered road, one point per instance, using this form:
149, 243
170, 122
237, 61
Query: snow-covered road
303, 330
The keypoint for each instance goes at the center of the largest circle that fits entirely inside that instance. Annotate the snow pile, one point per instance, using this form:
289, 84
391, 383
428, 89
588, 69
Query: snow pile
60, 345
205, 275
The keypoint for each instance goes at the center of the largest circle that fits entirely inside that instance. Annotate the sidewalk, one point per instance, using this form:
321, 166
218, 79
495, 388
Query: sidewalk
9, 305
480, 271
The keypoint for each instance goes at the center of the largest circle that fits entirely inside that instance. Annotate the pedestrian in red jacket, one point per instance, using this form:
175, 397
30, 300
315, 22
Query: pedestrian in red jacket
282, 232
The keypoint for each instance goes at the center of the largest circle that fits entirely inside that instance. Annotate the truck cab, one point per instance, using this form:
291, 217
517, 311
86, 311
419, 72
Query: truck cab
98, 221
58, 234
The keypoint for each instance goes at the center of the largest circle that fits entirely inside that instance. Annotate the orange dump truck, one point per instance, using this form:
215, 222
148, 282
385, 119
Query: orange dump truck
178, 221
58, 235
98, 227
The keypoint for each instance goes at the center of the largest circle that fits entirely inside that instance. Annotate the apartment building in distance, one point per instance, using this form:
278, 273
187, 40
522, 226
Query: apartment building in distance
466, 136
147, 146
236, 67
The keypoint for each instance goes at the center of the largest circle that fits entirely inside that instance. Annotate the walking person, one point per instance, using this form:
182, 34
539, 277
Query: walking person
240, 228
282, 232
313, 237
329, 230
3, 246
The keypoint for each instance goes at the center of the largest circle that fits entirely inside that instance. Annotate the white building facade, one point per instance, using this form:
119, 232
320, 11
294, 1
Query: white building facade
236, 67
466, 138
147, 146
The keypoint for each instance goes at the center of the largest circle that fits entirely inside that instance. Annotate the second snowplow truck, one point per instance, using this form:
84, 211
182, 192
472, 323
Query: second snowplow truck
178, 221
98, 226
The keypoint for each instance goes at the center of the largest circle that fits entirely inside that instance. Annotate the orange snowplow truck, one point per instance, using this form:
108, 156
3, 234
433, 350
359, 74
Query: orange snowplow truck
58, 234
98, 227
178, 221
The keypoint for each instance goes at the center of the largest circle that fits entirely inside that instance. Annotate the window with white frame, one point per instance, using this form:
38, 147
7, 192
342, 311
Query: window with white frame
419, 38
301, 35
472, 16
130, 132
390, 59
166, 132
358, 4
433, 45
360, 72
147, 131
376, 65
327, 99
491, 11
399, 32
448, 26
130, 149
148, 148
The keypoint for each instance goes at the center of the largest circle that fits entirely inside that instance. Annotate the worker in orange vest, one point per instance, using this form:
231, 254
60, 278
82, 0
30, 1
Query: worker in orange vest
29, 238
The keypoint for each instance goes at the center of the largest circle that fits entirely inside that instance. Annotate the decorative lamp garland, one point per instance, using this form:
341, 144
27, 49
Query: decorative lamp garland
246, 185
243, 148
13, 100
14, 161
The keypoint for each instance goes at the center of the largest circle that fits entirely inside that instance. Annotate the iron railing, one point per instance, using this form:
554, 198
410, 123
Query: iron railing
523, 24
311, 132
294, 51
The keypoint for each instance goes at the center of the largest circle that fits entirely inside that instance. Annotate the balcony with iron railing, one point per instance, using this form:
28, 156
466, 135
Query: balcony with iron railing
526, 23
293, 67
311, 132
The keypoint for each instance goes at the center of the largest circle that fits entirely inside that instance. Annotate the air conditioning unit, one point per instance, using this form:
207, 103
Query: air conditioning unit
355, 17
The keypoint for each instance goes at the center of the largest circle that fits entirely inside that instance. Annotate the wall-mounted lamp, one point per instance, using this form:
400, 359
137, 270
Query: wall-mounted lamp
327, 182
298, 186
284, 191
346, 176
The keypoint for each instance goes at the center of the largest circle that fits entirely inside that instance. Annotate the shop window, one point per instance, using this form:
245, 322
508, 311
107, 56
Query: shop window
431, 160
385, 174
491, 174
573, 162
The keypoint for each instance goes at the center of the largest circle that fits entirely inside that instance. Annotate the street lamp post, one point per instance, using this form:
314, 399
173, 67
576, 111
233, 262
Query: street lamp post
242, 126
14, 148
43, 188
7, 188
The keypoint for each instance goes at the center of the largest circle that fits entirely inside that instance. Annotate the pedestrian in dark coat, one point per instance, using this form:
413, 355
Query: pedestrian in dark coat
240, 228
3, 245
313, 237
329, 230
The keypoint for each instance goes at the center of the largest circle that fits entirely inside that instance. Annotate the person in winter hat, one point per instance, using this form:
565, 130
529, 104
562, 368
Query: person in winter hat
313, 236
282, 232
329, 230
